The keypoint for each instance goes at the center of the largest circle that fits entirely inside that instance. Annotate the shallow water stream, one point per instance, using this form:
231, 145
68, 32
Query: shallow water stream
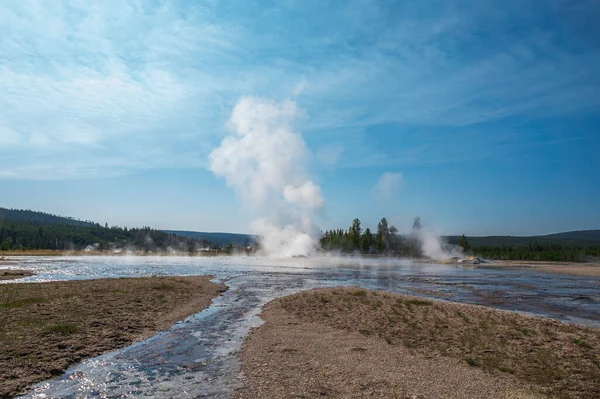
198, 357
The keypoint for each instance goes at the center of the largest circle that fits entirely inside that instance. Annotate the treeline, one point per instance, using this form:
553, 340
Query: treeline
385, 240
20, 230
29, 216
539, 252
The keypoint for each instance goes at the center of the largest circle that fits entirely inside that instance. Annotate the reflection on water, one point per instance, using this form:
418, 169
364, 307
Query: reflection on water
198, 357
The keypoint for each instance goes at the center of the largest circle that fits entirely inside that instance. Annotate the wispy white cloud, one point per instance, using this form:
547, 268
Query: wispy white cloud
8, 136
330, 154
106, 79
388, 186
149, 84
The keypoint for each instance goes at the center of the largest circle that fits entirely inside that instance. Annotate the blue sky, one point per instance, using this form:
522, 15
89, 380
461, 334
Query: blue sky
481, 117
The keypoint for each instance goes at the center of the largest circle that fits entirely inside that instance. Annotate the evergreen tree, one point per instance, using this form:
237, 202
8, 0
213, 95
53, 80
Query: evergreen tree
416, 225
367, 241
393, 238
381, 238
354, 234
465, 244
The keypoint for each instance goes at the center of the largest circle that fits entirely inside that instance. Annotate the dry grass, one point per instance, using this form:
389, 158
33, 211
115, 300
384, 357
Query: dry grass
32, 252
53, 252
561, 360
571, 268
12, 274
46, 327
288, 357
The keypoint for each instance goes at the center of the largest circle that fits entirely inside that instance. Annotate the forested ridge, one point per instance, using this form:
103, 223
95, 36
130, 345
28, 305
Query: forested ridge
386, 240
31, 230
28, 230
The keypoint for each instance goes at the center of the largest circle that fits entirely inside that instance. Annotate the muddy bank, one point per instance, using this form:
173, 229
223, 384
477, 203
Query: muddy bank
46, 327
10, 274
349, 342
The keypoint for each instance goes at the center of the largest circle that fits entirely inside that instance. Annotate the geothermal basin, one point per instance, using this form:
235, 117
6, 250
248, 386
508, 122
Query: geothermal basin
199, 356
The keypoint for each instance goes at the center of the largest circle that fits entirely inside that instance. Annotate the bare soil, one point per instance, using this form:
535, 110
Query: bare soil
572, 268
54, 252
46, 327
354, 343
11, 274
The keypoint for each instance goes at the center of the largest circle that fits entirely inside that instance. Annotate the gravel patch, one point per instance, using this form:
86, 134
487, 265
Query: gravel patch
354, 343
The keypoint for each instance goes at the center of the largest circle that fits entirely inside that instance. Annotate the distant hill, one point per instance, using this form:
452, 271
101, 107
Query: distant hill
216, 238
587, 235
31, 230
28, 216
584, 238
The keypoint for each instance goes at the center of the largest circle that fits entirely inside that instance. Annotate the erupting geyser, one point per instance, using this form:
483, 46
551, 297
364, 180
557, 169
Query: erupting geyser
264, 160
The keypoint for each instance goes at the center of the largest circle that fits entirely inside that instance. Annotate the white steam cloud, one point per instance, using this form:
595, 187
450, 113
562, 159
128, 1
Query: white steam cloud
435, 248
307, 195
263, 161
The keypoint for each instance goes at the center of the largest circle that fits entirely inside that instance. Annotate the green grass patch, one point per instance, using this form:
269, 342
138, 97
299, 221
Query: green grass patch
376, 304
464, 317
163, 287
22, 302
418, 302
526, 331
63, 329
471, 362
581, 343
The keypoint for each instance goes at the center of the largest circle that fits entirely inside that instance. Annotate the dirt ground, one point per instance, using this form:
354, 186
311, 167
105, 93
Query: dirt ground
52, 252
46, 327
353, 343
11, 274
573, 268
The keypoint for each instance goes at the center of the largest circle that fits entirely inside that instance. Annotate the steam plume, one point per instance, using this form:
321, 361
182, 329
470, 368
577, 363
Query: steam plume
435, 248
263, 161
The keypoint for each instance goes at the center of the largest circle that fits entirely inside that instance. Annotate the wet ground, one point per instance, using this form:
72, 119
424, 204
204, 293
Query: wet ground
198, 356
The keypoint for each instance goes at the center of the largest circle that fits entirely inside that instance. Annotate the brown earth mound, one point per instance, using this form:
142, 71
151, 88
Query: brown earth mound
11, 274
46, 327
352, 343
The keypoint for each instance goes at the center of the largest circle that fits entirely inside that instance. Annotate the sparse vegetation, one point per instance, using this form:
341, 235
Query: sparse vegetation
560, 359
471, 362
45, 327
418, 302
164, 287
63, 329
22, 302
